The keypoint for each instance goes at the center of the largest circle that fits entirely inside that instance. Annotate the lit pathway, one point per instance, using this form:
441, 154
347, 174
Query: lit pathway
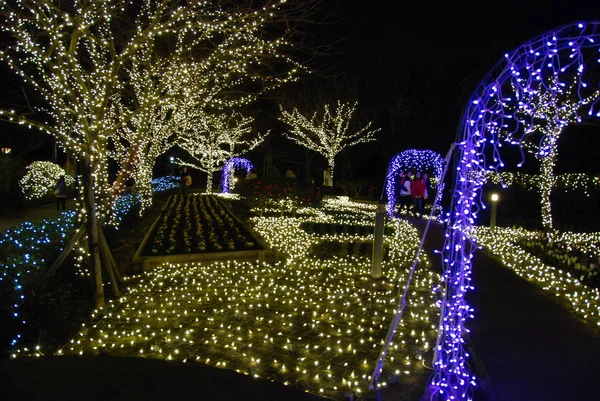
532, 348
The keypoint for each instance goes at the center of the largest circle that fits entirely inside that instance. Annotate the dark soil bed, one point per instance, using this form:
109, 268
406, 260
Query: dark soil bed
192, 224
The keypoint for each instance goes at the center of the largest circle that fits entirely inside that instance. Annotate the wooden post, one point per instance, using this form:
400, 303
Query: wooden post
92, 230
113, 265
68, 248
106, 263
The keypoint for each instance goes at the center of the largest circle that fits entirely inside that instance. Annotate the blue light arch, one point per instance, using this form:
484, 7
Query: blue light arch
235, 163
544, 64
413, 160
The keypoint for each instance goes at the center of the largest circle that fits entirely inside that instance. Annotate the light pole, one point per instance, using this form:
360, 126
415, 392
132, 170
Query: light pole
494, 199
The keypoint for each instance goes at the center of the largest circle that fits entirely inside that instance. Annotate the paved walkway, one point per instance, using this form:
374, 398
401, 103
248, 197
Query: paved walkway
44, 212
103, 378
532, 348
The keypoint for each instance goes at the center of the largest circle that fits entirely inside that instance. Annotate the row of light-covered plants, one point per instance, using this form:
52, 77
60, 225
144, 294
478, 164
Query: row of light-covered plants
552, 261
28, 251
313, 321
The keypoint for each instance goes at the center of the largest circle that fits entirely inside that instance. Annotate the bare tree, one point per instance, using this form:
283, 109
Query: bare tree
546, 111
212, 139
327, 132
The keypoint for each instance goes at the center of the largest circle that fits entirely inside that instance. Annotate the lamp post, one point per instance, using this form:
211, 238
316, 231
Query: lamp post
494, 199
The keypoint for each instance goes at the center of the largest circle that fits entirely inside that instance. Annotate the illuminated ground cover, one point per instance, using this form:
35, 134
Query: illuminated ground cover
316, 324
197, 224
506, 245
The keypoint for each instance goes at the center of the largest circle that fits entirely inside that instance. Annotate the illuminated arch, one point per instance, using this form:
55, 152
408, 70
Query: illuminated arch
235, 163
492, 112
495, 108
415, 160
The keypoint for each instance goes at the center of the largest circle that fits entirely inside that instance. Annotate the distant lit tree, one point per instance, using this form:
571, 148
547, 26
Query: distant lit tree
547, 110
327, 132
212, 139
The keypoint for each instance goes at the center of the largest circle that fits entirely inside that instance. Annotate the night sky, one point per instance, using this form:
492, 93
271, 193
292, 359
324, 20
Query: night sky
413, 66
416, 64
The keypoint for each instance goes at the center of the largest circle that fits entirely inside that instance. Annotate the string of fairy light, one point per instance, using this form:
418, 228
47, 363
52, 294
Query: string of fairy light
327, 132
414, 160
567, 181
235, 163
304, 321
547, 63
212, 139
41, 178
87, 102
504, 244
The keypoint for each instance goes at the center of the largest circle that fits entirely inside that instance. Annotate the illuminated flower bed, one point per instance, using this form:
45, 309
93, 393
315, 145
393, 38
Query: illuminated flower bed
504, 243
197, 224
582, 264
339, 249
339, 228
315, 324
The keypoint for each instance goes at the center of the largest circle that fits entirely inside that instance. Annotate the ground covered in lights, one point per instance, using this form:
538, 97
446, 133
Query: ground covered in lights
565, 284
310, 320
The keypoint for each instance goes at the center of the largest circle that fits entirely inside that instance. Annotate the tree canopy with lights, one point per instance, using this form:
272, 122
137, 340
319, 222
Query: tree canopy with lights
213, 138
327, 132
546, 108
81, 59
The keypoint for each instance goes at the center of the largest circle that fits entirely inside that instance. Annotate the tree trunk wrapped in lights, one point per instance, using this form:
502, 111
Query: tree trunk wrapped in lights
327, 132
547, 110
79, 58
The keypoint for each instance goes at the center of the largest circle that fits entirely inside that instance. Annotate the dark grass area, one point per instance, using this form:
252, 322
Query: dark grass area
175, 243
53, 310
330, 249
126, 379
339, 228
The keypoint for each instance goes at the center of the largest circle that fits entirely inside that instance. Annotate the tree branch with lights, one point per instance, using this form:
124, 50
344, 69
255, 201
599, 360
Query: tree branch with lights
212, 139
327, 132
546, 110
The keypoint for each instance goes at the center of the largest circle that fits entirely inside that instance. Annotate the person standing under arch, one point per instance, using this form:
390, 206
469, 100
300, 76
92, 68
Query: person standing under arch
417, 191
403, 193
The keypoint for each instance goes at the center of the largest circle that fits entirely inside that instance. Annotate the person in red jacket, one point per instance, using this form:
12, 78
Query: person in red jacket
417, 191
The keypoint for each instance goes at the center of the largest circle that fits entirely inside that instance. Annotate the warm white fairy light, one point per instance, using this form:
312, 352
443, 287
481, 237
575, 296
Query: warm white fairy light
303, 321
567, 181
329, 131
212, 139
546, 109
41, 179
504, 244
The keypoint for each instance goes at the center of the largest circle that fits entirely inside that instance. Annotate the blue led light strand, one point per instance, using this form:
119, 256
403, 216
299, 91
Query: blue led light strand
413, 160
235, 163
500, 109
